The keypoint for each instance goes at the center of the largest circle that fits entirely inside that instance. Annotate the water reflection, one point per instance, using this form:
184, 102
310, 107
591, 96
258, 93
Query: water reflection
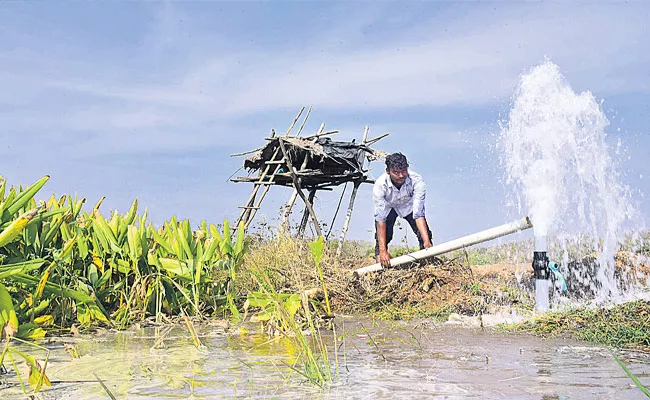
380, 361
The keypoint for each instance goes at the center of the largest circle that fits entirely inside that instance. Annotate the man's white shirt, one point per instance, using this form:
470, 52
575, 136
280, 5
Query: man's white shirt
407, 199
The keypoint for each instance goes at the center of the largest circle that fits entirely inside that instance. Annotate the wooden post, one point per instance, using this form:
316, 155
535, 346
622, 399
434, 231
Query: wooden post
294, 195
296, 184
305, 214
348, 216
288, 207
292, 199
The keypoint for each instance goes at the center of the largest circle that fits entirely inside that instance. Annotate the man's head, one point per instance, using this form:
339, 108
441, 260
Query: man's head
397, 168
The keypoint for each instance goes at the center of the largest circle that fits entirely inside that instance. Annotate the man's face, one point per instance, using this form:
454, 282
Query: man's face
398, 176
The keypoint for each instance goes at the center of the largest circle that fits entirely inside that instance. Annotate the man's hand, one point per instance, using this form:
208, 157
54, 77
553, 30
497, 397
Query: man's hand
424, 234
384, 258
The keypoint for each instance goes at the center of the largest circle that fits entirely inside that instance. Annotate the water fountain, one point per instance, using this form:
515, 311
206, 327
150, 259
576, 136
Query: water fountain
556, 158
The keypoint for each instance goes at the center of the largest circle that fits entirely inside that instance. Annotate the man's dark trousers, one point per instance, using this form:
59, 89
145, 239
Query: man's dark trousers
390, 224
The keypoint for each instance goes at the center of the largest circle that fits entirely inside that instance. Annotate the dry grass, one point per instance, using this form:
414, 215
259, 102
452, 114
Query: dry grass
442, 286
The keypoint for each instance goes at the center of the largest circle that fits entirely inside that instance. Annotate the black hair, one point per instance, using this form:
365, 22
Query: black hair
396, 161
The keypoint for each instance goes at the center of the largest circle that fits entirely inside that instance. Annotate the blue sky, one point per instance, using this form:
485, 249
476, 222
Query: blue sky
148, 99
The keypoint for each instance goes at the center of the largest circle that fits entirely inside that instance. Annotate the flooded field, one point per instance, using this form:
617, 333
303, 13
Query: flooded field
376, 360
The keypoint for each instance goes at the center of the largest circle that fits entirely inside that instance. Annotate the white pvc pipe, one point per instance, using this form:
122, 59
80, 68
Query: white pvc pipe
452, 245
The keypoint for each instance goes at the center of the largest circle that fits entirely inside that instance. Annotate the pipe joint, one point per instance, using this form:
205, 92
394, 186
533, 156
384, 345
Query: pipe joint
540, 265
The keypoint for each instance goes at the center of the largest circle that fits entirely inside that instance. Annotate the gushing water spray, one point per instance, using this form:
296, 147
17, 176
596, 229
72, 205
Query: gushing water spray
557, 160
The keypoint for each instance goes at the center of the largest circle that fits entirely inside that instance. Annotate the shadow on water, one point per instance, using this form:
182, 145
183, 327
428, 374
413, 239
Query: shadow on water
377, 360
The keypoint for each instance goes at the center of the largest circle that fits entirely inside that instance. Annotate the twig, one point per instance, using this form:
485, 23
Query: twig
373, 342
108, 392
375, 140
233, 174
246, 152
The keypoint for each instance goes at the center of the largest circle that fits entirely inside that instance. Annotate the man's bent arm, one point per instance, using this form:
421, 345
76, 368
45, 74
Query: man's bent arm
424, 233
384, 256
381, 236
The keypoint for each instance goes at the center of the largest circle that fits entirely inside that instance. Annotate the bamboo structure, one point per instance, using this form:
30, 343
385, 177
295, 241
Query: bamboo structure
309, 164
452, 245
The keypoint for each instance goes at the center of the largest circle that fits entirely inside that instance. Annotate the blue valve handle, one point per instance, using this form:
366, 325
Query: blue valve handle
553, 267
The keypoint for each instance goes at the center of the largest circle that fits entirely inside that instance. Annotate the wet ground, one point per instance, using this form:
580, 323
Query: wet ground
376, 360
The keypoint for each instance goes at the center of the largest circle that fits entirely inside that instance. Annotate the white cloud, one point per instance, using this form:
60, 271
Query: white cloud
476, 64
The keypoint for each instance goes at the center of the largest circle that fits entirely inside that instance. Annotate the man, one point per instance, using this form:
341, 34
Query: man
398, 192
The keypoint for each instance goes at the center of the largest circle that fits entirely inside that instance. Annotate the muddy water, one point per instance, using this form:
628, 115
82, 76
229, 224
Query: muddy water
376, 361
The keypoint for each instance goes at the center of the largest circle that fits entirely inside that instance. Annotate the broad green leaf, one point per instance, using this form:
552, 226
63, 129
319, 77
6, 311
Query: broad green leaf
105, 277
67, 249
3, 187
57, 290
215, 233
30, 331
53, 230
102, 225
120, 265
130, 216
134, 243
25, 196
7, 311
182, 236
17, 268
37, 376
44, 320
39, 308
16, 227
317, 248
164, 243
5, 217
211, 246
176, 267
93, 275
239, 243
292, 304
82, 245
226, 234
41, 283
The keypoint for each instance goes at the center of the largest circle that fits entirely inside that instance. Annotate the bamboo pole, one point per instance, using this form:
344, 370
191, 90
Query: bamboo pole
348, 216
452, 245
246, 152
296, 184
244, 216
254, 150
365, 134
336, 212
294, 195
247, 214
288, 207
317, 135
292, 199
304, 121
375, 140
294, 122
305, 214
